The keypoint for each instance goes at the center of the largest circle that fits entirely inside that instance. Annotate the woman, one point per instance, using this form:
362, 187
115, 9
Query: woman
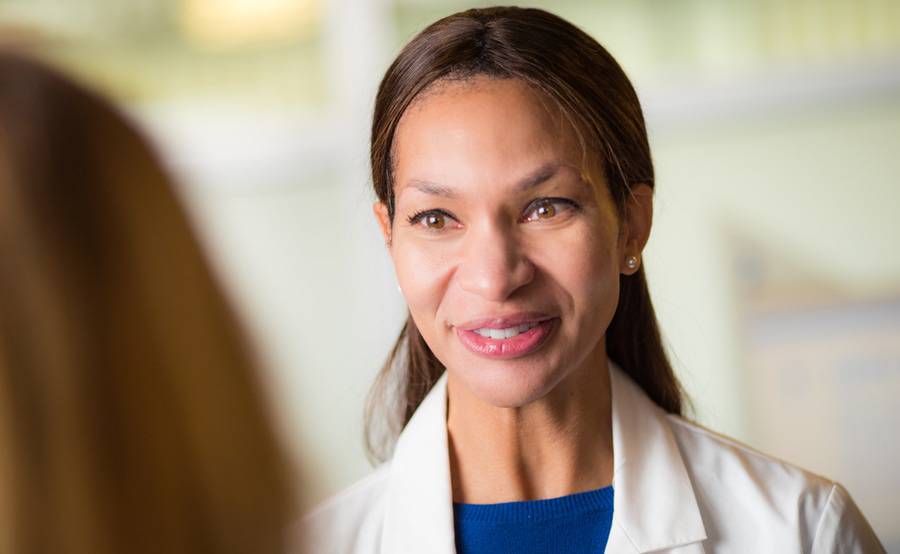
537, 407
131, 419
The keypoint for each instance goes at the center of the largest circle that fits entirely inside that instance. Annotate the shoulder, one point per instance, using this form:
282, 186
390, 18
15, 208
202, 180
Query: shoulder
348, 522
712, 454
742, 491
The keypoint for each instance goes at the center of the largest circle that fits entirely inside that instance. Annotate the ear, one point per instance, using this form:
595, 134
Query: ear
384, 221
638, 220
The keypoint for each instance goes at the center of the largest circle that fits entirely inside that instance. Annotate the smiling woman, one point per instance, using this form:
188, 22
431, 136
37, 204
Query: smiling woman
535, 406
515, 236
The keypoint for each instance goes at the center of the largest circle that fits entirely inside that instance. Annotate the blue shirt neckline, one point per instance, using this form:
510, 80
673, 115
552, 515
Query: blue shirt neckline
534, 511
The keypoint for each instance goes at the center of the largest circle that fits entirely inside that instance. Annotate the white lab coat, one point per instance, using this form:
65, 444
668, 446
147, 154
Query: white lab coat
678, 488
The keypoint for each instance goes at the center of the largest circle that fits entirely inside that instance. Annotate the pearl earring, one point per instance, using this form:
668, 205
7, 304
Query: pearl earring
631, 262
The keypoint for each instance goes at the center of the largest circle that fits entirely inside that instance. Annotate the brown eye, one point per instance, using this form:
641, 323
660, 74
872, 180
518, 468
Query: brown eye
435, 221
545, 210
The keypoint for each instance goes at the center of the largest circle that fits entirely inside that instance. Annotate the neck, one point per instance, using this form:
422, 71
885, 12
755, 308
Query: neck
558, 445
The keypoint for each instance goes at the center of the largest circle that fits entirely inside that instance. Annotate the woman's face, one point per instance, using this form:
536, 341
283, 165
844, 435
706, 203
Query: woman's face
508, 259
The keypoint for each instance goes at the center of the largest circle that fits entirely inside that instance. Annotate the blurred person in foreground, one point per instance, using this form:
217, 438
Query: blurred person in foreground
131, 417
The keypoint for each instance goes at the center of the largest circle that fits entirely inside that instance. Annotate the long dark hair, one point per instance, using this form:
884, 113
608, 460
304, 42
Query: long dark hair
565, 65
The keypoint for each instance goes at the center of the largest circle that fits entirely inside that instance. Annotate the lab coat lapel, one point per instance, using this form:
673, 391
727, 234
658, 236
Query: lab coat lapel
655, 507
419, 510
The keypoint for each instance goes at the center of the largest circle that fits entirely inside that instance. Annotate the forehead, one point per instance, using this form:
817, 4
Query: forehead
478, 130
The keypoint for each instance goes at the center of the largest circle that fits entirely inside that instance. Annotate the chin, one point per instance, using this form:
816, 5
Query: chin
509, 384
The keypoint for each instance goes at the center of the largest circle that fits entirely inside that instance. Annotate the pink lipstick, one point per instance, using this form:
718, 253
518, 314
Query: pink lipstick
506, 337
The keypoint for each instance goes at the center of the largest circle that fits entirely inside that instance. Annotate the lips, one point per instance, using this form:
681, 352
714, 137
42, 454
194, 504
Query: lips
506, 337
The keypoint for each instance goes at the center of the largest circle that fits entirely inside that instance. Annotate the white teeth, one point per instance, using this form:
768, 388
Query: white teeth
506, 333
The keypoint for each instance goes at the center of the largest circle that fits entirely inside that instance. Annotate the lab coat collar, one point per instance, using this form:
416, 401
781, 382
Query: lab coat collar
419, 510
655, 507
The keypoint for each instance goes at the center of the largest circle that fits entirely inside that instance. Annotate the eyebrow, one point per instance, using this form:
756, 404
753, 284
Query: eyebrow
540, 176
431, 188
535, 178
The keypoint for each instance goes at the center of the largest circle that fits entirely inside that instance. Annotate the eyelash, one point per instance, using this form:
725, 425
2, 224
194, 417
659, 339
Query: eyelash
417, 217
571, 204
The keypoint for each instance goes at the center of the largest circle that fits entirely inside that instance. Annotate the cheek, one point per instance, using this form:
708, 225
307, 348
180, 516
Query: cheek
598, 271
587, 273
423, 273
600, 285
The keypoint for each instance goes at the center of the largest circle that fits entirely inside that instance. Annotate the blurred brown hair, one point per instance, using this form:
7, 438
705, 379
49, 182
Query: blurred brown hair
131, 419
568, 67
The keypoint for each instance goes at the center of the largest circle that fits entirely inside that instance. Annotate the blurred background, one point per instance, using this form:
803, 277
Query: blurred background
774, 261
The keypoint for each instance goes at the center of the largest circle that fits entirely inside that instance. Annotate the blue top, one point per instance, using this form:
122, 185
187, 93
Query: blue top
578, 523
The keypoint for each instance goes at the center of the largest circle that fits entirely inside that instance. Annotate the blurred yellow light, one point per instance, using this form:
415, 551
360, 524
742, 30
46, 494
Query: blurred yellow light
230, 23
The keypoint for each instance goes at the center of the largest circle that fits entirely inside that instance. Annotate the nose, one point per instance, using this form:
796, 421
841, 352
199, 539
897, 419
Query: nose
494, 264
